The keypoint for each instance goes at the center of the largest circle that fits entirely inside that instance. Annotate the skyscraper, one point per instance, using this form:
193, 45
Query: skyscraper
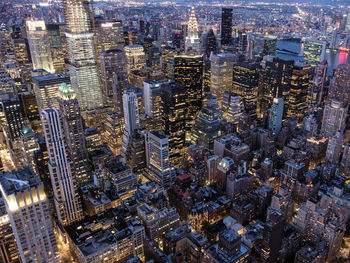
109, 34
192, 38
206, 126
74, 133
57, 48
114, 77
226, 27
221, 69
28, 209
131, 117
314, 51
157, 156
341, 88
245, 84
82, 58
66, 198
135, 57
9, 252
334, 147
334, 117
299, 87
210, 43
13, 116
173, 108
39, 45
189, 72
317, 92
46, 89
276, 114
274, 82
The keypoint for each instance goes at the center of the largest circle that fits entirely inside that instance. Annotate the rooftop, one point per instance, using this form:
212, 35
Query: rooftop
19, 180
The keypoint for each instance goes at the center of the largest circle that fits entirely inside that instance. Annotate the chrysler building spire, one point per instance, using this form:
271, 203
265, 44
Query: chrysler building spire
192, 39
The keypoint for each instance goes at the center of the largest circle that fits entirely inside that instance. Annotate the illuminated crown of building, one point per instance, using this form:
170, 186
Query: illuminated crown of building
192, 39
192, 32
66, 92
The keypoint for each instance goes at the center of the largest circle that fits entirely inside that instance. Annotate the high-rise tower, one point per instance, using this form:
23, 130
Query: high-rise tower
74, 132
39, 45
82, 58
28, 209
192, 39
66, 198
226, 27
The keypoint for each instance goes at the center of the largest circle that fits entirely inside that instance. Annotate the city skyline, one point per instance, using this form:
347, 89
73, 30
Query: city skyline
174, 131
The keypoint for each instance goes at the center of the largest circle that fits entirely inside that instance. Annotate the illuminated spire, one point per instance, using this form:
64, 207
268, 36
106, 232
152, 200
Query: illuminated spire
192, 39
192, 32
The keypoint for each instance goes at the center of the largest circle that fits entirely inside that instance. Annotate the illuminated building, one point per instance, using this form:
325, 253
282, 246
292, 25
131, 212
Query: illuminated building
300, 84
334, 117
282, 202
206, 77
192, 38
83, 68
153, 104
226, 27
228, 249
46, 89
173, 109
131, 117
114, 77
135, 155
121, 177
96, 201
12, 111
245, 84
168, 53
29, 145
241, 42
25, 198
74, 133
21, 51
9, 252
113, 132
274, 82
317, 91
221, 73
310, 125
341, 89
206, 126
109, 35
92, 138
314, 51
276, 114
235, 111
335, 145
153, 57
260, 45
135, 58
188, 71
150, 90
56, 47
157, 157
113, 239
29, 105
39, 45
63, 180
158, 221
